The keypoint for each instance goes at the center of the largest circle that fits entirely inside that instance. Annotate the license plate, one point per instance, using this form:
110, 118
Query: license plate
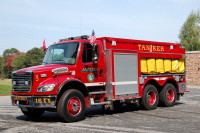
42, 100
21, 98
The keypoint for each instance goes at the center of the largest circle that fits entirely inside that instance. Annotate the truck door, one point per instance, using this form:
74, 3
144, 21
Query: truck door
91, 70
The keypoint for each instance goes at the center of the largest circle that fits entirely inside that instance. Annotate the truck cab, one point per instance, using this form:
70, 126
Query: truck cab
72, 63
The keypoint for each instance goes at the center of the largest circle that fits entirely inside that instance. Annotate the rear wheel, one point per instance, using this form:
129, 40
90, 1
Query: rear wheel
71, 106
150, 97
32, 112
168, 95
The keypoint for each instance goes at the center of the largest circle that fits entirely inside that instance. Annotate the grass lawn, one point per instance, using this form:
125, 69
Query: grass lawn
5, 86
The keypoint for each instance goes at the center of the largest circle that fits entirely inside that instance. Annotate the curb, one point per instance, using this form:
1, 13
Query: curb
193, 87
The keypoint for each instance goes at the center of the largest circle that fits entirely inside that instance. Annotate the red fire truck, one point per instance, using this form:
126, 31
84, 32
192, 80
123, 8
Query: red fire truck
76, 75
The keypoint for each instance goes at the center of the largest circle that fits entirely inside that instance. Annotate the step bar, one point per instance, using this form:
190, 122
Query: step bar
101, 103
97, 92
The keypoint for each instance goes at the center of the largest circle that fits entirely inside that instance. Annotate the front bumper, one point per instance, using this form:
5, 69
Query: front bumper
34, 101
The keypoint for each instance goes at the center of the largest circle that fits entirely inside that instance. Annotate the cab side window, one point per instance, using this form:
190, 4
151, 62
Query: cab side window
87, 53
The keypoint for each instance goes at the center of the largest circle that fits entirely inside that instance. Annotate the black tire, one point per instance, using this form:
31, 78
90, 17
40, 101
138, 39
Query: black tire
71, 106
168, 95
150, 97
33, 113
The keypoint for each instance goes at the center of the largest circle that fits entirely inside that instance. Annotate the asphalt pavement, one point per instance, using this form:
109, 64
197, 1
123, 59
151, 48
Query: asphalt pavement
184, 117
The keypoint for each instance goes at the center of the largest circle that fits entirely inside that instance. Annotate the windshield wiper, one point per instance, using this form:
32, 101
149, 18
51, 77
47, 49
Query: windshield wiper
44, 63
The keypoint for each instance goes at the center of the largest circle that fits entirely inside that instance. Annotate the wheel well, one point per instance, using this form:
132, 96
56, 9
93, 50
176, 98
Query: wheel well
159, 88
153, 82
172, 82
72, 85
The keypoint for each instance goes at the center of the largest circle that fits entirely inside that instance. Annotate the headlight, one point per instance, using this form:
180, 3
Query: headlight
46, 88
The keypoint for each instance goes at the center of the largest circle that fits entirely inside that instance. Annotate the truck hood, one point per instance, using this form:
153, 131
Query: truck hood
43, 68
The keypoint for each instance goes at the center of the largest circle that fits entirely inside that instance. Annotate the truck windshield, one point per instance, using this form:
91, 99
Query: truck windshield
61, 54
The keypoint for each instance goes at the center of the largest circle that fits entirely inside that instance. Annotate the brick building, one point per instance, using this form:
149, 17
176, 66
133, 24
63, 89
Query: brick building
193, 68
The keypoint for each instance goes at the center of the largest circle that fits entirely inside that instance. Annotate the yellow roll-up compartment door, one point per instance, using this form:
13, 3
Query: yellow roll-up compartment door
167, 65
181, 65
160, 66
143, 63
175, 65
151, 64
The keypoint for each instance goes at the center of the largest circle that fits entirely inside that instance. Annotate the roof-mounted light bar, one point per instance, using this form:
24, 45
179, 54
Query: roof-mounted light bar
83, 37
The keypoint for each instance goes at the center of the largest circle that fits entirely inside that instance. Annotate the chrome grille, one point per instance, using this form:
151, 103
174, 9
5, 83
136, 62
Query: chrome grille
22, 82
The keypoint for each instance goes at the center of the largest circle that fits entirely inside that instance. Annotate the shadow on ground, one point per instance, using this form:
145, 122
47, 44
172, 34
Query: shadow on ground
95, 111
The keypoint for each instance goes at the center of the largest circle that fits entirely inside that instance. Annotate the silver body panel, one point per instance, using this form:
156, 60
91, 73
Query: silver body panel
125, 74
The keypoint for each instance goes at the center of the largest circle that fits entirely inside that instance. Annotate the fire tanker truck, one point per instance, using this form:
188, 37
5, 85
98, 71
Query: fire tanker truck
76, 75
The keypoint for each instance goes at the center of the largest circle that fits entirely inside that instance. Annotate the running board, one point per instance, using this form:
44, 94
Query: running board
101, 103
97, 92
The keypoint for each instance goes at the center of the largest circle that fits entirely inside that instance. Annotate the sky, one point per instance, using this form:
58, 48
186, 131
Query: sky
24, 24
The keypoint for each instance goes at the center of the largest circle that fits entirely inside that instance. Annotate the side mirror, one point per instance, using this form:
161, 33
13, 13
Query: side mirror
95, 53
95, 58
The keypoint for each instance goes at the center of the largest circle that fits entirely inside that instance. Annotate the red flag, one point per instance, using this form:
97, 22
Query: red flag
44, 45
93, 37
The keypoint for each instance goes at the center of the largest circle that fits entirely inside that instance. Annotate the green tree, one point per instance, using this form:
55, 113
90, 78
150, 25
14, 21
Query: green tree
190, 32
8, 52
2, 62
5, 67
19, 62
34, 57
12, 60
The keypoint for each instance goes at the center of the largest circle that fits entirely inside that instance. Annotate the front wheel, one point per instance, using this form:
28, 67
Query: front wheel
150, 97
71, 106
168, 95
32, 112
